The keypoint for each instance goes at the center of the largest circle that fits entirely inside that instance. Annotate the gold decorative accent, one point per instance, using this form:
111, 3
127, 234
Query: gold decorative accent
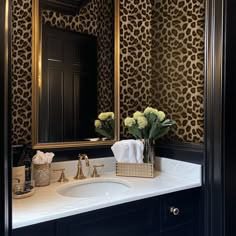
80, 174
135, 169
42, 174
62, 177
95, 173
37, 77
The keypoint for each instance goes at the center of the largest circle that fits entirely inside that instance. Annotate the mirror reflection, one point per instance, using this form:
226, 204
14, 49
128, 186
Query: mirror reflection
76, 73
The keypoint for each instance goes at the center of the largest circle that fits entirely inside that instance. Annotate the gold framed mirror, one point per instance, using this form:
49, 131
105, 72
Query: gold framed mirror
52, 90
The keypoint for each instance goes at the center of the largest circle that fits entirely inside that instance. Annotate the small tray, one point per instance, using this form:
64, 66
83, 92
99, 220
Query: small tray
135, 169
21, 196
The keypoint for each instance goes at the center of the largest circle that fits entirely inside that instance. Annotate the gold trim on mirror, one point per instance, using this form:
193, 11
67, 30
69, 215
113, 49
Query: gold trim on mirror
117, 69
36, 82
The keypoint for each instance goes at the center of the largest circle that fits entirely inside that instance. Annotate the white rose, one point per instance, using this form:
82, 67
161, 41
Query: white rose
111, 115
151, 110
161, 115
103, 116
97, 123
129, 122
137, 114
142, 122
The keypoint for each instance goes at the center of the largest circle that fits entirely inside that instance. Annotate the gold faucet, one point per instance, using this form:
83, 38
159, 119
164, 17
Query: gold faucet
80, 174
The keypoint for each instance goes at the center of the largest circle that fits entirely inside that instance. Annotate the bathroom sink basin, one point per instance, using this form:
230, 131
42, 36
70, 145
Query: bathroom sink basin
94, 188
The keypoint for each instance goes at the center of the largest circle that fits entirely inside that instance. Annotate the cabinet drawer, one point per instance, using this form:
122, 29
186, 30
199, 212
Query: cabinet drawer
180, 208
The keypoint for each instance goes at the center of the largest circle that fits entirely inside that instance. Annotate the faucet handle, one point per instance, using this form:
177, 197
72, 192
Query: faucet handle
95, 173
62, 177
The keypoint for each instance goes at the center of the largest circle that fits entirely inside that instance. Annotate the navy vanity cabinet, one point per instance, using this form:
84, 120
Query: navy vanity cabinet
132, 219
41, 229
147, 217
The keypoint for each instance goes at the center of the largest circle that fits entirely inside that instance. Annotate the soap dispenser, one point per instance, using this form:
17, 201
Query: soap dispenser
25, 160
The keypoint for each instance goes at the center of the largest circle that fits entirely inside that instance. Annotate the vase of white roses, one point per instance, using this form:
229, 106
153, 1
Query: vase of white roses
104, 125
148, 126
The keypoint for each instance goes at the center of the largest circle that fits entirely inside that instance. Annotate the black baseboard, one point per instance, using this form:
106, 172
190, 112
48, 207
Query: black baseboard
188, 152
67, 154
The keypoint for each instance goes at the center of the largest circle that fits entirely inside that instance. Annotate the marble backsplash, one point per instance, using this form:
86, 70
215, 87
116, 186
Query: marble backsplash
174, 167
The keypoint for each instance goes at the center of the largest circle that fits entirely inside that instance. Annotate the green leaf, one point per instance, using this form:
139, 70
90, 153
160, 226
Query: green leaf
112, 123
104, 133
145, 132
154, 130
152, 118
168, 122
135, 131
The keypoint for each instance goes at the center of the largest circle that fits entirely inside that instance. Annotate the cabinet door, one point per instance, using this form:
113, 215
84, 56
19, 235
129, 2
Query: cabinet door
42, 229
180, 213
134, 219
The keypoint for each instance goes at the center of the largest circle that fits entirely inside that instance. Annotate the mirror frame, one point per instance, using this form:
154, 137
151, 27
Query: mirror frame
36, 80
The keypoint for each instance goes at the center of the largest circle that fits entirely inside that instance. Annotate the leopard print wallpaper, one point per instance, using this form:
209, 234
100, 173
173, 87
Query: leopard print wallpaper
105, 39
162, 64
178, 72
21, 71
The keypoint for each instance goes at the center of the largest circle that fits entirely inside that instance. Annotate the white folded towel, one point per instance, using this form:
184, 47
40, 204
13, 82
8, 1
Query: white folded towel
128, 151
139, 153
42, 158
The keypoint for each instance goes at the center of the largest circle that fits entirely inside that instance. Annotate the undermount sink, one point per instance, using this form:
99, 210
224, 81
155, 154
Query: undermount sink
94, 188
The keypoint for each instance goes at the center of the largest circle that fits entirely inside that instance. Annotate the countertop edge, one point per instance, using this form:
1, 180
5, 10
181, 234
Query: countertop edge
54, 215
101, 206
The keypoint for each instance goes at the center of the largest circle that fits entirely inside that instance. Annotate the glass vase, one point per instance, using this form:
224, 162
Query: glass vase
148, 151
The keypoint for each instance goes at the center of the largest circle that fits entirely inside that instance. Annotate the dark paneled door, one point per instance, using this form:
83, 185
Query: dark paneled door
219, 177
68, 97
229, 127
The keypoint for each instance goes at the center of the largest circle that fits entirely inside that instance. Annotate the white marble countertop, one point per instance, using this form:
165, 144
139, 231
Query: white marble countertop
46, 204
